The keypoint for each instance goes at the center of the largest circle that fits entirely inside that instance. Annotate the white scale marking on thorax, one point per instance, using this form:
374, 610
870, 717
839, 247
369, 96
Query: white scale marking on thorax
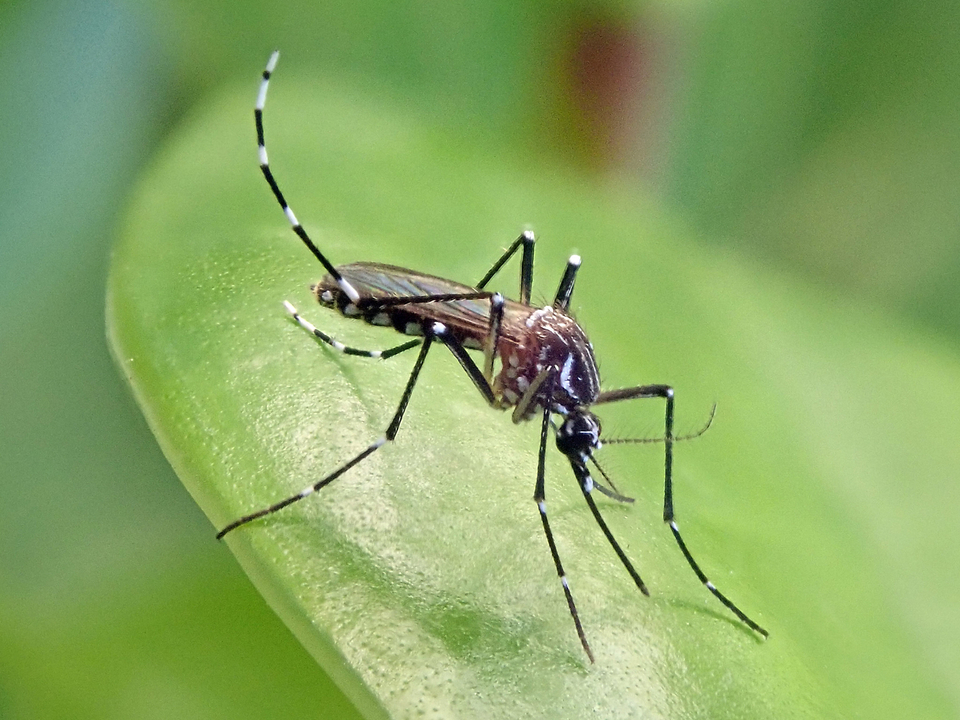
565, 373
535, 317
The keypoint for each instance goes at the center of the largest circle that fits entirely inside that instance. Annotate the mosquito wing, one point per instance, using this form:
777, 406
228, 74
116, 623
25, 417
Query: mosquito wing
467, 318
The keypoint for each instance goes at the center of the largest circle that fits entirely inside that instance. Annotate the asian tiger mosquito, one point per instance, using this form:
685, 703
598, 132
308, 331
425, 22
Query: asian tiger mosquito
547, 366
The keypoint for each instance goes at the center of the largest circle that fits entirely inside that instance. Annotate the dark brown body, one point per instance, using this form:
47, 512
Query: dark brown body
530, 339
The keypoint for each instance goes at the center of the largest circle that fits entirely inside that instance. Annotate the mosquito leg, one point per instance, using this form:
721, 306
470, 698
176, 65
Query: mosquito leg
388, 436
711, 587
337, 345
562, 300
345, 286
369, 304
527, 240
493, 335
587, 486
540, 498
669, 517
489, 345
440, 332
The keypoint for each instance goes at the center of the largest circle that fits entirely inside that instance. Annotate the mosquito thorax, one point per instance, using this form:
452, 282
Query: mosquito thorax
550, 338
579, 433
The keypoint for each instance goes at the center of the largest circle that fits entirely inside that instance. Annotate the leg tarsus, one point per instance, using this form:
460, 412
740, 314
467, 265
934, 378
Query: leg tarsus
586, 486
440, 333
565, 291
666, 392
540, 498
391, 433
339, 346
710, 586
527, 240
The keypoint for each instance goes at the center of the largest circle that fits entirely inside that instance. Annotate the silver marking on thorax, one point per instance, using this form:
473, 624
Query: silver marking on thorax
565, 372
536, 316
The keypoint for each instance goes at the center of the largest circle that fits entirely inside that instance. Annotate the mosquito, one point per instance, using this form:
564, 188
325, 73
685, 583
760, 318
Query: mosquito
547, 368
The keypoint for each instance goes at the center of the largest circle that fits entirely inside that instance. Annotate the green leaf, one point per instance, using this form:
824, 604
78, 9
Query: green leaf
420, 580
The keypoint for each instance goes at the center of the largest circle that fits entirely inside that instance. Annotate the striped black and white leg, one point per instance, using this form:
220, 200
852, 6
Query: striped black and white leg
388, 436
527, 240
345, 286
489, 345
539, 496
666, 392
346, 350
587, 487
670, 518
565, 290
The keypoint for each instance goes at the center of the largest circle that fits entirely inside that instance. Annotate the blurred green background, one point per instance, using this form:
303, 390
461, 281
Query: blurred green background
816, 139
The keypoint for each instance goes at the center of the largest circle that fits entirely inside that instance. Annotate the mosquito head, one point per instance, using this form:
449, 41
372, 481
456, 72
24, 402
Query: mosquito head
579, 434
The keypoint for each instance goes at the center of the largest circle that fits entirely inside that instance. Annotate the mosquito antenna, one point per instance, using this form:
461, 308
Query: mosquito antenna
659, 438
562, 300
